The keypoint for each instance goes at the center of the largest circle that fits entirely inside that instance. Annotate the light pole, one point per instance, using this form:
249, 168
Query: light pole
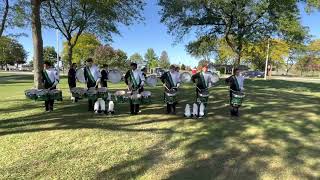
267, 58
58, 64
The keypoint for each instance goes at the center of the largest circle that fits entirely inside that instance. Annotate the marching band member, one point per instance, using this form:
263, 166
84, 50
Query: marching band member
135, 82
50, 79
92, 76
171, 80
202, 80
104, 75
236, 84
72, 81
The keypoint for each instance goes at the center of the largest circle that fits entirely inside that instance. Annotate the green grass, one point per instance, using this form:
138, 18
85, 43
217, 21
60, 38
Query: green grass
276, 137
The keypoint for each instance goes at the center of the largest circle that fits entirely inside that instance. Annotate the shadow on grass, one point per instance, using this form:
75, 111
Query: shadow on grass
275, 125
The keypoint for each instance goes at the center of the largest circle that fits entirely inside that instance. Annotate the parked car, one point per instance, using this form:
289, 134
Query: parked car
253, 74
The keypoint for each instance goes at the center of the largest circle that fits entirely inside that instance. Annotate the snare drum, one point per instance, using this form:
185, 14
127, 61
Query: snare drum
135, 97
237, 98
170, 97
203, 96
121, 97
146, 97
102, 93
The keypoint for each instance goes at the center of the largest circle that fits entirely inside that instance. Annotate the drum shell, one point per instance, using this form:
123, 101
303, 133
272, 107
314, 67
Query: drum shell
237, 99
170, 99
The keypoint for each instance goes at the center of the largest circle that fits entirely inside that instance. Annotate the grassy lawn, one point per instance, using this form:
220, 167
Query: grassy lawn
276, 137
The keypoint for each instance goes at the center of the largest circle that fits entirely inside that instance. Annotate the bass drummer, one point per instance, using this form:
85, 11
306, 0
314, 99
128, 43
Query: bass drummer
92, 77
104, 75
134, 79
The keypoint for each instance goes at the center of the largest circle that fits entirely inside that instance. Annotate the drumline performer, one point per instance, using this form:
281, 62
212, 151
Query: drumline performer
171, 81
134, 79
104, 75
236, 85
92, 76
202, 80
50, 80
72, 80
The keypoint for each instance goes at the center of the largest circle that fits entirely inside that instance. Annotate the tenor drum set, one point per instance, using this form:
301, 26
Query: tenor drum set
43, 94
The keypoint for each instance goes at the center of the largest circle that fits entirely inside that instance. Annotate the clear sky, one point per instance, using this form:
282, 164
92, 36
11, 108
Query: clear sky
152, 34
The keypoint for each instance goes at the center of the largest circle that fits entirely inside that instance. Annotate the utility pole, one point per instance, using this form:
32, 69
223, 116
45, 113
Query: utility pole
266, 67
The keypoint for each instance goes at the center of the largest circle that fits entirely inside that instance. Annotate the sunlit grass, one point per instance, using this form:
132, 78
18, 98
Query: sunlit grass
276, 137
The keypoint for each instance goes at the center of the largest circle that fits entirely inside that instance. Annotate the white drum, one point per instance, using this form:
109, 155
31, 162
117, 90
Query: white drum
152, 80
80, 75
185, 77
114, 76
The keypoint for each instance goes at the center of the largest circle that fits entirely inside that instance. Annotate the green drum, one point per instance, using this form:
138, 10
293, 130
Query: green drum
170, 98
43, 95
121, 97
203, 97
135, 98
146, 97
237, 98
102, 93
55, 95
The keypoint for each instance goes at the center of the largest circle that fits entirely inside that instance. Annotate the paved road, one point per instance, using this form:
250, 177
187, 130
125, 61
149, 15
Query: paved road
298, 79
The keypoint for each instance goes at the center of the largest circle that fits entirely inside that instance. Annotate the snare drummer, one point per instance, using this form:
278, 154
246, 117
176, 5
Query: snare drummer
50, 79
92, 76
72, 80
171, 80
134, 79
203, 80
236, 83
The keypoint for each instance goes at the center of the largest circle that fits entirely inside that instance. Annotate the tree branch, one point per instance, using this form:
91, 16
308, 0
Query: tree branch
5, 16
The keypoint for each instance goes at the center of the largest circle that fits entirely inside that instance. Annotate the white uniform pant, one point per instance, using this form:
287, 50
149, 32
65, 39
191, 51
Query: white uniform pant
100, 104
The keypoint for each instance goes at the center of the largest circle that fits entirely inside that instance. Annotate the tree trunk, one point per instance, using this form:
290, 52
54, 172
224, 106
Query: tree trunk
69, 57
4, 17
37, 44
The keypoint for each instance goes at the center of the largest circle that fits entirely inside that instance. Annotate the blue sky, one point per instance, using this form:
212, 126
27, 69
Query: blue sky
152, 34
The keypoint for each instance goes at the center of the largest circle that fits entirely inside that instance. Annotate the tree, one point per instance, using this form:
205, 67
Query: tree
4, 9
114, 58
12, 52
151, 58
237, 21
164, 61
202, 63
136, 57
86, 45
72, 18
204, 47
255, 54
183, 67
49, 54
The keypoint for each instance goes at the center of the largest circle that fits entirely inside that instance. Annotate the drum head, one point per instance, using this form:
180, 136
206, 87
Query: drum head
80, 75
114, 76
185, 77
215, 77
152, 80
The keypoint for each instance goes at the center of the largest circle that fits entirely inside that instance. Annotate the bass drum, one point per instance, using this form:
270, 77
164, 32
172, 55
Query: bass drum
114, 76
215, 77
80, 75
152, 80
185, 77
